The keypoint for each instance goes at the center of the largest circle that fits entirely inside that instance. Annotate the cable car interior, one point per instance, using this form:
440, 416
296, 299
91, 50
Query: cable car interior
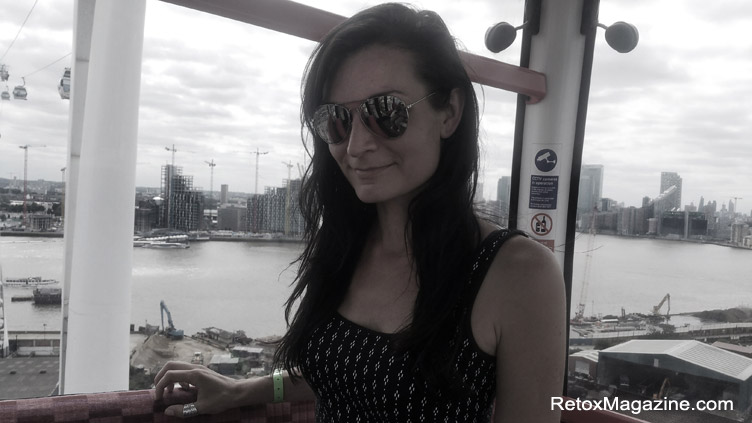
546, 64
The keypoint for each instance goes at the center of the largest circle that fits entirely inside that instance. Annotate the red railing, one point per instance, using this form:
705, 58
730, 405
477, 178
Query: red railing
141, 407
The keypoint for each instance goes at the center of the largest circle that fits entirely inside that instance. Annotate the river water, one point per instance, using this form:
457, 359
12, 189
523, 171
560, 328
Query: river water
243, 286
229, 285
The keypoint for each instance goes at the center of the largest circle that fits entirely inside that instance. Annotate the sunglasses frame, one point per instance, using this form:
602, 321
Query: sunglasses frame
362, 108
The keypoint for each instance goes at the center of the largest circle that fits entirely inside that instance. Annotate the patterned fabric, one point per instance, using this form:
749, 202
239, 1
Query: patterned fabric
139, 407
358, 377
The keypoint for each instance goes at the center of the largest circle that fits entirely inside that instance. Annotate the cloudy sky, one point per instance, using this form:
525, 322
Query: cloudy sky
219, 90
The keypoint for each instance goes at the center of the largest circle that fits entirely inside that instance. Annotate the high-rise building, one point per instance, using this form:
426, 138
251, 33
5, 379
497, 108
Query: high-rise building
503, 189
276, 212
223, 194
591, 188
183, 206
479, 193
668, 180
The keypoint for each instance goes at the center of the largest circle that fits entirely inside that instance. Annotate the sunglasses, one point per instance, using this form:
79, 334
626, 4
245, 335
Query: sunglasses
383, 115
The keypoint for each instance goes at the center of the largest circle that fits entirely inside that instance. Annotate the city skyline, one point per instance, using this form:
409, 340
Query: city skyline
501, 185
648, 110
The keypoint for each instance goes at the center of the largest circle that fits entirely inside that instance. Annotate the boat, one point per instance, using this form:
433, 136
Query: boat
47, 295
28, 282
159, 244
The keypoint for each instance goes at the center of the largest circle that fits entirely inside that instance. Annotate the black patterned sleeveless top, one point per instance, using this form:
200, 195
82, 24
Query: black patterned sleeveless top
357, 377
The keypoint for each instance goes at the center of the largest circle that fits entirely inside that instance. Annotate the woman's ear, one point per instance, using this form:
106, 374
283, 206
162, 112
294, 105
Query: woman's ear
452, 113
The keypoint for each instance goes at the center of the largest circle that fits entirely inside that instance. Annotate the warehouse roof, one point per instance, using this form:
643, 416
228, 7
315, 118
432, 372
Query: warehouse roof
692, 352
591, 355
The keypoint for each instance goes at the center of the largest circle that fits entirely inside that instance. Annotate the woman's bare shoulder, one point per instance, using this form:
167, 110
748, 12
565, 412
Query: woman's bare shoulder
519, 254
524, 278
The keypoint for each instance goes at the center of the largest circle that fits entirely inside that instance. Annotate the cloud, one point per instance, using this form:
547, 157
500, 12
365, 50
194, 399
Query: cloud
219, 89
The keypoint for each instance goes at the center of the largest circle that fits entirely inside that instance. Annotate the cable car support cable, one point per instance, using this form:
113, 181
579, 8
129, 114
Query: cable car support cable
19, 30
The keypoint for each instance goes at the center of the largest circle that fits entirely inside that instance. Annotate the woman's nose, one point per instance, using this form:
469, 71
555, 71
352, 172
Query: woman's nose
361, 139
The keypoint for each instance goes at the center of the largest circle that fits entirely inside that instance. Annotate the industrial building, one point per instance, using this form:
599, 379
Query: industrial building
231, 217
583, 364
686, 368
40, 221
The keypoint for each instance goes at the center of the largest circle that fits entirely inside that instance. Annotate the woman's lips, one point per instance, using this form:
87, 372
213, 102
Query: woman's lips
370, 170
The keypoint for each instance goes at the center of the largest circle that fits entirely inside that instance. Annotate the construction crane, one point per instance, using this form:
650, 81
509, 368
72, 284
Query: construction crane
170, 331
257, 153
657, 309
211, 180
26, 166
580, 314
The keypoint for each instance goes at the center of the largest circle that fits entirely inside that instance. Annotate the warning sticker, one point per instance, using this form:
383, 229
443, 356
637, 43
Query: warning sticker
541, 224
550, 243
544, 191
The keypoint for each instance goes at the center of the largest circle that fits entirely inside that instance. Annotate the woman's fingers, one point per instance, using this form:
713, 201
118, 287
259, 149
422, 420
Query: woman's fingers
171, 377
172, 365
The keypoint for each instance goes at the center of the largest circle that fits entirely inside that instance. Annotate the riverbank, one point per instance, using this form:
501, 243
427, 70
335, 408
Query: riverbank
718, 242
214, 237
33, 234
211, 237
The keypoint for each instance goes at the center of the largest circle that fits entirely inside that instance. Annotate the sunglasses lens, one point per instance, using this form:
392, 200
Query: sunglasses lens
332, 123
385, 115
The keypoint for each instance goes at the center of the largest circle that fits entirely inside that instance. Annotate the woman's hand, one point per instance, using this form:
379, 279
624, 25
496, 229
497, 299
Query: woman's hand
214, 393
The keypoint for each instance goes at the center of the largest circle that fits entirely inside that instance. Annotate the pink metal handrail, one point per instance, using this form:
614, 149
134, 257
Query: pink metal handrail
312, 24
141, 407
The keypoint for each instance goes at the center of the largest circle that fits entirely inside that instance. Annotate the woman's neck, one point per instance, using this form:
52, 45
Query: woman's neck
389, 232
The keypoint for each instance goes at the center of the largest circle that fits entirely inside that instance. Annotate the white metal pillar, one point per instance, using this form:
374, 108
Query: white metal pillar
99, 223
550, 134
551, 144
83, 20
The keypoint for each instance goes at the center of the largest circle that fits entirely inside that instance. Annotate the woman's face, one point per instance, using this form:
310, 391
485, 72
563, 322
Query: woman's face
383, 169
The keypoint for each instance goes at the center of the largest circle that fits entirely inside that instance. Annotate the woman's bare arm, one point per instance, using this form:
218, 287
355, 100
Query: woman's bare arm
217, 393
530, 330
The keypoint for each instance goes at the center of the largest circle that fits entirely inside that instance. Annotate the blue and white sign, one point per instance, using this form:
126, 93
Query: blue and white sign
545, 160
544, 190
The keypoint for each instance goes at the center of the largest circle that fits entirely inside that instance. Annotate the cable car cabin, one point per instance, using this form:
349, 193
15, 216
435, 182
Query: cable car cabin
19, 93
5, 95
4, 75
64, 86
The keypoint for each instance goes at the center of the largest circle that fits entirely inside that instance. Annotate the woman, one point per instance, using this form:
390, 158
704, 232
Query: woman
410, 307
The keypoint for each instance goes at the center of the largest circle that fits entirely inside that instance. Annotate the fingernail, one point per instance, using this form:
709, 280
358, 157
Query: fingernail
169, 412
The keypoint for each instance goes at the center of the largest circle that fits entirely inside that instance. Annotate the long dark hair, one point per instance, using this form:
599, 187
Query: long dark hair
443, 228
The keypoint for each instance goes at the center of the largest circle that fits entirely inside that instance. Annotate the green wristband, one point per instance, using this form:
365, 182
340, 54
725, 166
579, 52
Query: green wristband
279, 387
